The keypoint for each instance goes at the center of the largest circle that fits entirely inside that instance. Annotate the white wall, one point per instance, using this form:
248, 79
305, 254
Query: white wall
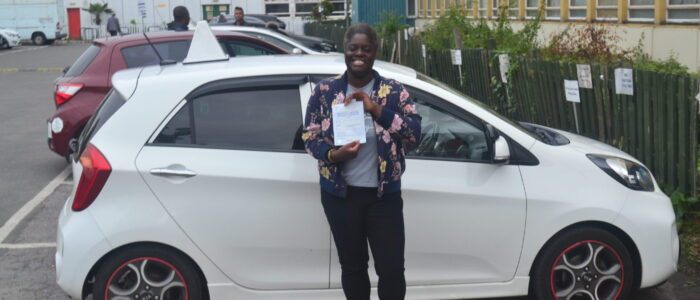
659, 40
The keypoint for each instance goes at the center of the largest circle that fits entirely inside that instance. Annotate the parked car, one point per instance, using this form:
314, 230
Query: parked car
9, 38
40, 21
306, 44
191, 183
254, 20
85, 83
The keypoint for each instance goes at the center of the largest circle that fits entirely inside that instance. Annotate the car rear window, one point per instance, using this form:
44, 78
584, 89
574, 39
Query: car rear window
79, 66
112, 102
143, 55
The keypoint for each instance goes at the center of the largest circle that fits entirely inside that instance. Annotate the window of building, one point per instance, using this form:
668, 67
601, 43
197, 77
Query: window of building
438, 7
606, 10
531, 9
470, 8
641, 10
277, 9
683, 11
282, 7
411, 8
577, 9
513, 9
482, 8
421, 12
552, 9
496, 5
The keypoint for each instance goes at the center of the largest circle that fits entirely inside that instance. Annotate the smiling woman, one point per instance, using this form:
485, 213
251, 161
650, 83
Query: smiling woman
361, 183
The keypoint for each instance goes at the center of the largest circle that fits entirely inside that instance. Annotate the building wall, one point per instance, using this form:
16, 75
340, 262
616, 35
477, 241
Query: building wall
663, 35
370, 11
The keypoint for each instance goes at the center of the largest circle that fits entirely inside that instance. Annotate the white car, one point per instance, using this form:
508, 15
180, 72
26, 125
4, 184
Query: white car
9, 38
192, 182
278, 39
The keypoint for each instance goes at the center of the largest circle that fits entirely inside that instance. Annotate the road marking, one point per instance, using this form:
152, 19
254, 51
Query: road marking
29, 206
28, 246
14, 70
22, 50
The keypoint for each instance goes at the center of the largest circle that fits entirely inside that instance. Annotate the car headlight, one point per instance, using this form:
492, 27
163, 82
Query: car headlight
629, 173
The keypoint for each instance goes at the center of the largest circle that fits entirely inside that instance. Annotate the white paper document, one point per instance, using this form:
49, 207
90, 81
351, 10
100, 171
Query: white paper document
349, 123
571, 89
624, 83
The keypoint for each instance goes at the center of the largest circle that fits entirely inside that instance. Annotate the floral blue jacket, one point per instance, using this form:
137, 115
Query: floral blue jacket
398, 125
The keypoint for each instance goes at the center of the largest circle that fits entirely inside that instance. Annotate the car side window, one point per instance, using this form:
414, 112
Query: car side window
446, 134
267, 118
143, 55
240, 48
272, 40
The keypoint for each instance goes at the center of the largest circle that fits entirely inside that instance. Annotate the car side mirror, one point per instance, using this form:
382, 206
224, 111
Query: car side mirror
297, 51
65, 70
501, 151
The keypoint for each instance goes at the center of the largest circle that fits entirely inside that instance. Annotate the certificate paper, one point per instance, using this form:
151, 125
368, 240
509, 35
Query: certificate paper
349, 123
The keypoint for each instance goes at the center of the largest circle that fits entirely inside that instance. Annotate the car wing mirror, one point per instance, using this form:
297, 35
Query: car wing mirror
297, 51
65, 70
501, 151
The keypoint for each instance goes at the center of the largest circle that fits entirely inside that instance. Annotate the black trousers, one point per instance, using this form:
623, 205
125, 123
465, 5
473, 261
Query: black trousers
361, 217
113, 32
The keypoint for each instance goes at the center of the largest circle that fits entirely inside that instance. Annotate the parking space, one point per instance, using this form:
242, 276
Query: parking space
35, 182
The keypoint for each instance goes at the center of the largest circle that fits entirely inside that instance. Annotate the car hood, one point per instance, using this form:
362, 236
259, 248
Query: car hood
587, 145
9, 32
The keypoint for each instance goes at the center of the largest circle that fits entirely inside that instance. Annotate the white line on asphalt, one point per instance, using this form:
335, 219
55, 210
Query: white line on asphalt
22, 50
28, 246
29, 206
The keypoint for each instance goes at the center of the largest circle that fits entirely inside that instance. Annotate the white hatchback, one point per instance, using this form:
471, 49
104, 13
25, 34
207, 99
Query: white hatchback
193, 183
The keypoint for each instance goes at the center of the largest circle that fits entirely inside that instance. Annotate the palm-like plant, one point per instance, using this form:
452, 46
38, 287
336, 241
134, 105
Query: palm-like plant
98, 9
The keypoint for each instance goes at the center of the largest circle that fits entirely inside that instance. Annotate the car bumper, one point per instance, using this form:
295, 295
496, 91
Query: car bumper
649, 220
79, 245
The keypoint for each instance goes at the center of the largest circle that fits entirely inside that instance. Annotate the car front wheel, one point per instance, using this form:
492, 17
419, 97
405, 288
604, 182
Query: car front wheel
582, 264
147, 273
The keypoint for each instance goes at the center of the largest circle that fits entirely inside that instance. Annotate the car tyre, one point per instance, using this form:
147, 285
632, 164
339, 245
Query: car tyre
144, 272
38, 39
583, 263
4, 43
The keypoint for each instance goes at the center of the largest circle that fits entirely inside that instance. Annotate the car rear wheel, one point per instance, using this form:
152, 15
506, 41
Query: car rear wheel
147, 273
583, 264
38, 39
4, 44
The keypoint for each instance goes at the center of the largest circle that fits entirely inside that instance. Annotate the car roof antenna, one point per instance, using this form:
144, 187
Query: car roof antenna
160, 58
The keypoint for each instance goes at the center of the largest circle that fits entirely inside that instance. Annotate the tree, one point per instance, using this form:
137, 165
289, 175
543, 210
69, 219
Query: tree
97, 9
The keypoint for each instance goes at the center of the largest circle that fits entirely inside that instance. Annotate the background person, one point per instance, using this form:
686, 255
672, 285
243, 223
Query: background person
113, 25
182, 19
240, 16
361, 183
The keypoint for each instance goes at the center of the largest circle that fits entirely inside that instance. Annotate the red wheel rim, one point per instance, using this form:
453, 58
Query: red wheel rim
146, 277
588, 269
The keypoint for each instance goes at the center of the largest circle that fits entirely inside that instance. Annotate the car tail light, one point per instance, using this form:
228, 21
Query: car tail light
96, 170
66, 91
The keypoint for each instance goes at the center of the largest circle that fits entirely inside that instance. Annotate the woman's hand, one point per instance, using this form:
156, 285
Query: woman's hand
369, 105
346, 152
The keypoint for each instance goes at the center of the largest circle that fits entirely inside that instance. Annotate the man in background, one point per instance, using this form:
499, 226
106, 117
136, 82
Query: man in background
239, 15
182, 19
113, 25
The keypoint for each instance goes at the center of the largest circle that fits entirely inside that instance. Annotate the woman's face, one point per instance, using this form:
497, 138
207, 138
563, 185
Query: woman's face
359, 55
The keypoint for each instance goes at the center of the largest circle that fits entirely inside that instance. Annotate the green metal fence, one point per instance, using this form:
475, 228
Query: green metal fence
657, 124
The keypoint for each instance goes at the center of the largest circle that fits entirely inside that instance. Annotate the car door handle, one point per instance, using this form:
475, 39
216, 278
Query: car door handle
171, 172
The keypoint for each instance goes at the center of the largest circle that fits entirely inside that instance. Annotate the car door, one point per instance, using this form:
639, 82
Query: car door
230, 168
464, 216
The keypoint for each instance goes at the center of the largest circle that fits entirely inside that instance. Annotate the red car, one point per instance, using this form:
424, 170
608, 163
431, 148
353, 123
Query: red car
84, 84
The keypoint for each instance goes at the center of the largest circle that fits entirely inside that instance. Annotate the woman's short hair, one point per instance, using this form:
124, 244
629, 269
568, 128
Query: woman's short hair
361, 28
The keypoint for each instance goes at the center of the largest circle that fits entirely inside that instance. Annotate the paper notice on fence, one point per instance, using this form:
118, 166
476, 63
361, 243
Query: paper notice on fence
572, 92
585, 80
456, 57
623, 81
405, 34
349, 123
422, 47
504, 66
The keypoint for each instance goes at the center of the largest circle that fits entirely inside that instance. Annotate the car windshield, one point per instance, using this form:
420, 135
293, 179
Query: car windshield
432, 81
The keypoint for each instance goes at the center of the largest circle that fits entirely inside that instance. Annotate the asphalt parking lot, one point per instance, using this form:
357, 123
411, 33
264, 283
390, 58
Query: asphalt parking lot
35, 182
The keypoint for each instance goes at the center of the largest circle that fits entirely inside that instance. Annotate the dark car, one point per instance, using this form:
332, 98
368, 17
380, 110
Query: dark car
253, 20
85, 83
